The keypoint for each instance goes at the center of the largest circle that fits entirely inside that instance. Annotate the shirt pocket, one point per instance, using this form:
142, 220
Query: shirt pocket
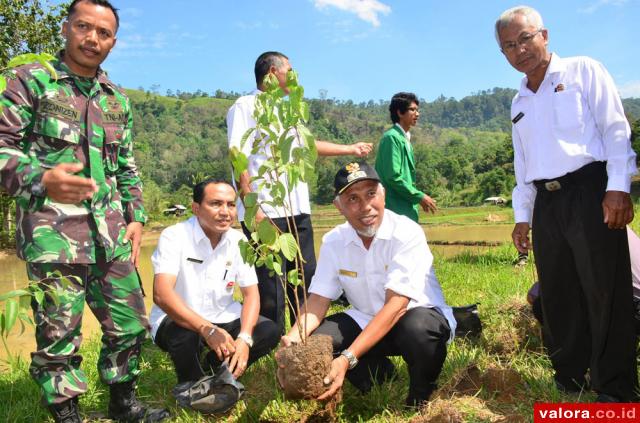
113, 134
56, 140
567, 110
355, 289
220, 287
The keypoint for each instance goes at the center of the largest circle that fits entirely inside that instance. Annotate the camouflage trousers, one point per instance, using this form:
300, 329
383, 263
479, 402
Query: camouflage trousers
112, 291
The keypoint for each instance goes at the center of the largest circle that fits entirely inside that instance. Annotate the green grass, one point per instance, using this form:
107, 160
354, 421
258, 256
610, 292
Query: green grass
510, 341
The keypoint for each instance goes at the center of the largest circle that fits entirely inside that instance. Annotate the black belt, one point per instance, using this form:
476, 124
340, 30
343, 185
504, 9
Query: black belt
571, 178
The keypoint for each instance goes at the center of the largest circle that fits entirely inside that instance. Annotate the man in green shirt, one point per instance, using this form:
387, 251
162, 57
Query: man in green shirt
395, 162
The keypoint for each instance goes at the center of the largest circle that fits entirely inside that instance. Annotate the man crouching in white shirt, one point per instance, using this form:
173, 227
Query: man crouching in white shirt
382, 262
197, 266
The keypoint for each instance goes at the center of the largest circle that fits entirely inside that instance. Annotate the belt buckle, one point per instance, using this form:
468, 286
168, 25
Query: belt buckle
552, 186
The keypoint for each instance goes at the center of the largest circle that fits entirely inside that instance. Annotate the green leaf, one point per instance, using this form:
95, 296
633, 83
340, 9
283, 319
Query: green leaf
288, 246
277, 268
14, 293
239, 161
304, 111
25, 302
11, 313
3, 83
248, 133
251, 199
250, 217
244, 246
22, 59
38, 295
292, 277
267, 232
308, 140
279, 192
285, 148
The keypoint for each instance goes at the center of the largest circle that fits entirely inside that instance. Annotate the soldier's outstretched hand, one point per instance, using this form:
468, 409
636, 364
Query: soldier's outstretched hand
64, 187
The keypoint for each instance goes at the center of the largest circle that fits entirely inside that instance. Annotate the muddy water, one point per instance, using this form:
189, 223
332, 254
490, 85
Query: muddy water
13, 275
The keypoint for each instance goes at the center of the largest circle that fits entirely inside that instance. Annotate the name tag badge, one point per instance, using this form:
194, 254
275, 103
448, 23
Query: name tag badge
348, 273
517, 118
194, 260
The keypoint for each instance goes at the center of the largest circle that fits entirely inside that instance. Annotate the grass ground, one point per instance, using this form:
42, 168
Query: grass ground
496, 378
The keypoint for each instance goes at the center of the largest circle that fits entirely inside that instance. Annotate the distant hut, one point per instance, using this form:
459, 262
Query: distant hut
175, 210
496, 201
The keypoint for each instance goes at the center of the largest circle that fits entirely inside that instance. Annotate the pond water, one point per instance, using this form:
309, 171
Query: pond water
13, 274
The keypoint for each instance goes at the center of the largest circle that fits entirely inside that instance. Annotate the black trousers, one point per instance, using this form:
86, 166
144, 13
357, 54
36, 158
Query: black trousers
191, 355
420, 337
272, 294
585, 284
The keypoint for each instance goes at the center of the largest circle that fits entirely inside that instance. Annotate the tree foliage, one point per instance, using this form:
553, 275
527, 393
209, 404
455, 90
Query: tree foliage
29, 26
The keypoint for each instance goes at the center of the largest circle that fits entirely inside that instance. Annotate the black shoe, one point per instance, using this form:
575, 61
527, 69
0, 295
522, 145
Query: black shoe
569, 385
124, 407
378, 372
418, 398
608, 398
66, 412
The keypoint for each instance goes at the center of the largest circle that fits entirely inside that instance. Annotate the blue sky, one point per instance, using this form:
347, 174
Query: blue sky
359, 49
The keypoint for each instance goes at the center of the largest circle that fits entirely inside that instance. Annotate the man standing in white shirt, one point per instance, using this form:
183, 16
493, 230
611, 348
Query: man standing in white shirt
573, 166
382, 262
240, 119
197, 266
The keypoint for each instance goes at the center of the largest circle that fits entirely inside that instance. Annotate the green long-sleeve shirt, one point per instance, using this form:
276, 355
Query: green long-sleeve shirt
397, 170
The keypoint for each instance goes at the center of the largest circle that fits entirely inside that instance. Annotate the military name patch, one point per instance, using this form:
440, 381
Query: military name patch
113, 117
56, 109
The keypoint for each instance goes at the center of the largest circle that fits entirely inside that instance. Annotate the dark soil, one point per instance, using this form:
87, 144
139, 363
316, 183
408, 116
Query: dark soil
305, 366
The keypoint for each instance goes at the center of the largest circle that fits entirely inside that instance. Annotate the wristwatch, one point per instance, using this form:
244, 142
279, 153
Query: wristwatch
246, 338
353, 361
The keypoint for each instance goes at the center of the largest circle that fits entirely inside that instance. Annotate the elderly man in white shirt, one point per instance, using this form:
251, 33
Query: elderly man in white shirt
239, 120
382, 262
573, 166
197, 267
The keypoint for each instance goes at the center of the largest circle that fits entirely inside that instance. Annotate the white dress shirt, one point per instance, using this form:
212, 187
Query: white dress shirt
398, 259
575, 118
206, 277
407, 135
239, 120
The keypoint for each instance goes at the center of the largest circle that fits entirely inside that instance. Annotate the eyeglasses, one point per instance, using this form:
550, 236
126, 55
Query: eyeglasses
525, 38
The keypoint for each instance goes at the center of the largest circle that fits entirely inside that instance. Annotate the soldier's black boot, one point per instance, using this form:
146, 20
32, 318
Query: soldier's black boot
125, 407
66, 412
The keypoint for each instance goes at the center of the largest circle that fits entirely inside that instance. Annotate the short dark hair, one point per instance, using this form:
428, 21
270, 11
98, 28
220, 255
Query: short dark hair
104, 3
264, 63
400, 103
198, 189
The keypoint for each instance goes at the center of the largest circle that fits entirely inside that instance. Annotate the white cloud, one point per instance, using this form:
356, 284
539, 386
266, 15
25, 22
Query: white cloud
600, 3
630, 89
367, 10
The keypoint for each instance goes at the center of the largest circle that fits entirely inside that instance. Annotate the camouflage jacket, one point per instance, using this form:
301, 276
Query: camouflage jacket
44, 122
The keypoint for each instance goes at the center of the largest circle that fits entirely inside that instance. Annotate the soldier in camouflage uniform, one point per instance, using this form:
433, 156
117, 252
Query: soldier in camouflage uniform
66, 155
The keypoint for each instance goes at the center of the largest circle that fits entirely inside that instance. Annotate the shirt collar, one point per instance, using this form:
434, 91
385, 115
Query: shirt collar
406, 134
556, 65
385, 231
63, 72
199, 235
